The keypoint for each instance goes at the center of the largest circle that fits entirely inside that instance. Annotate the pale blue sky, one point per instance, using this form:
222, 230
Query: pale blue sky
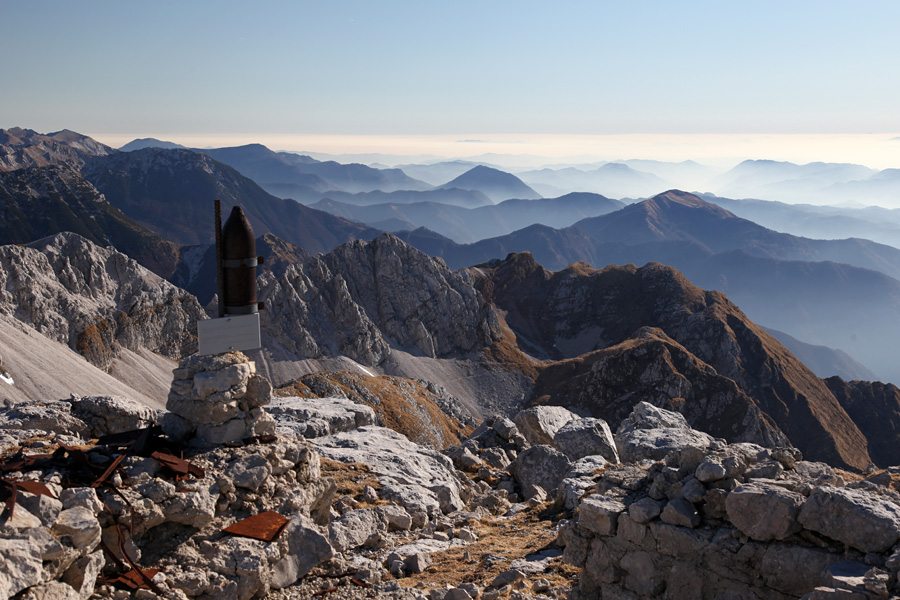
430, 67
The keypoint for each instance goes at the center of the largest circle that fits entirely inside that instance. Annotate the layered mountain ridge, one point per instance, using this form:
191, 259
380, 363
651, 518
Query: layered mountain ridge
382, 305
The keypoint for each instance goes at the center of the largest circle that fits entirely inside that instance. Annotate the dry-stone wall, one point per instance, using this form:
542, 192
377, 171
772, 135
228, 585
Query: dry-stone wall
731, 521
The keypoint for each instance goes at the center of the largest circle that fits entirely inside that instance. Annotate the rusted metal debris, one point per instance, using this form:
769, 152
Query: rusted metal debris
136, 578
179, 466
266, 526
255, 439
325, 591
95, 467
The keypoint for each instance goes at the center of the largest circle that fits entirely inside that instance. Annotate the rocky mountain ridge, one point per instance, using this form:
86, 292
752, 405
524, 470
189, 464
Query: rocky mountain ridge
172, 192
20, 148
364, 298
96, 300
42, 201
579, 310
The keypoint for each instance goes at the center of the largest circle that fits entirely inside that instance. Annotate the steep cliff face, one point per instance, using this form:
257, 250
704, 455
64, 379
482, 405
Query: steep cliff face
364, 298
96, 300
43, 201
578, 310
875, 408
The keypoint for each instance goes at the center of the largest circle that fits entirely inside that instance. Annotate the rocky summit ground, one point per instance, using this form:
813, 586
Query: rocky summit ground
233, 493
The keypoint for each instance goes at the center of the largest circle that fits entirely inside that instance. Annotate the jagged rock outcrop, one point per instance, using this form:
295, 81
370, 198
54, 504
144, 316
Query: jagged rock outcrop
365, 297
580, 310
20, 148
96, 300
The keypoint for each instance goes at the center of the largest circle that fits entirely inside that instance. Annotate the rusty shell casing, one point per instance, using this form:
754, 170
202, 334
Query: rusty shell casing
240, 260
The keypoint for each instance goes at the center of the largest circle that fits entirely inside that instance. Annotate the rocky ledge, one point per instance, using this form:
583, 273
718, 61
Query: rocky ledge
545, 505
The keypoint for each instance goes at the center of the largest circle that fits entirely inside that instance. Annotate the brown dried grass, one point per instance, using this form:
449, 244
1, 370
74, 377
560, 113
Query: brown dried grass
526, 533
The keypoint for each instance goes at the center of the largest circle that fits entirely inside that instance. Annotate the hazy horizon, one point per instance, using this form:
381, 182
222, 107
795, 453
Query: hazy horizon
878, 151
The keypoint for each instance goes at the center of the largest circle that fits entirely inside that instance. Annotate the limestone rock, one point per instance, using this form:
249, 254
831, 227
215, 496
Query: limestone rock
540, 423
586, 437
644, 510
418, 476
541, 466
764, 512
852, 517
95, 300
680, 512
318, 417
80, 526
651, 433
600, 514
355, 527
306, 549
112, 414
20, 568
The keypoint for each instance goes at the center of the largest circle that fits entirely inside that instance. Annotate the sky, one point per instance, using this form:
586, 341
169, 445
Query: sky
429, 76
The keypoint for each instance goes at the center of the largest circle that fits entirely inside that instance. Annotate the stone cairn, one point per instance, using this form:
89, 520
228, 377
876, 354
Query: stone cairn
217, 400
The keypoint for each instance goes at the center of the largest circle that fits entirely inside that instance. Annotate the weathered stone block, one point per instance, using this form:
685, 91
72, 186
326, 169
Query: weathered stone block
853, 517
600, 514
764, 512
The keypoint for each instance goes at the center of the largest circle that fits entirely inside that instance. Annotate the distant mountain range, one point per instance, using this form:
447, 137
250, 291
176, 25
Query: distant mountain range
269, 168
880, 225
841, 294
21, 148
615, 180
172, 192
466, 225
497, 185
836, 304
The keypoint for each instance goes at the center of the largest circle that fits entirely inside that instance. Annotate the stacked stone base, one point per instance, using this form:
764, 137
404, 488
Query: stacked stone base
218, 400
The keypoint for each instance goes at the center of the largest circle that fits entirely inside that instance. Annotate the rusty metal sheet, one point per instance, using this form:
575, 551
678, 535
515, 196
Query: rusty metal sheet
35, 487
137, 578
265, 526
179, 466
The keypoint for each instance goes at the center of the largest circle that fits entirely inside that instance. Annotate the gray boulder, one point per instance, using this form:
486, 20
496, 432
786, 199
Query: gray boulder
586, 437
317, 417
764, 511
539, 424
541, 466
651, 433
860, 520
355, 527
418, 477
600, 514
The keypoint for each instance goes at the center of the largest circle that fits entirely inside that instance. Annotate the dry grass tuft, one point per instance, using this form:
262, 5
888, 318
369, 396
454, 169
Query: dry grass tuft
503, 541
350, 478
